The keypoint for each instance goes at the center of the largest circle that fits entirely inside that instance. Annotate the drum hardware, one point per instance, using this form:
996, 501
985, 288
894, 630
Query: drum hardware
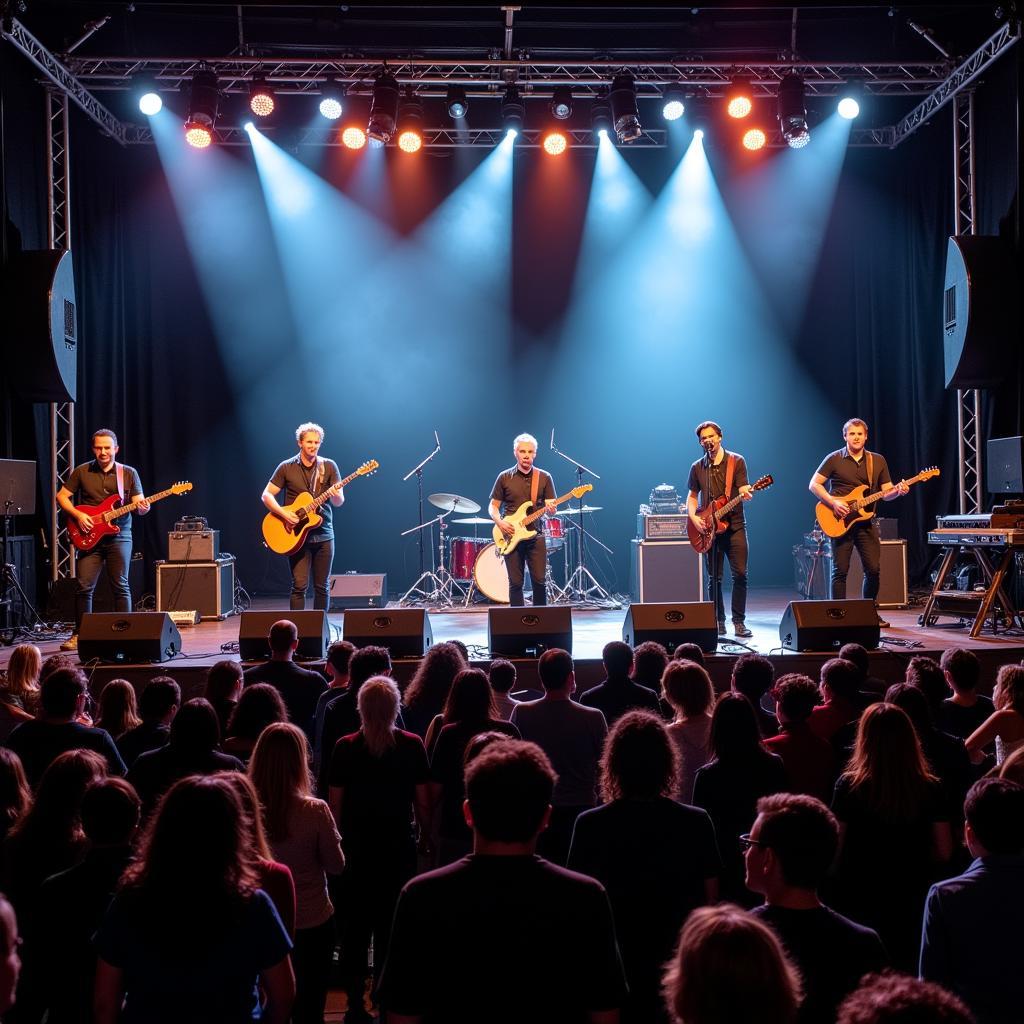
454, 503
418, 472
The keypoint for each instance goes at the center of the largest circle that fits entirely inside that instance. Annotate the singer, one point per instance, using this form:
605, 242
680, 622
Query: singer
716, 474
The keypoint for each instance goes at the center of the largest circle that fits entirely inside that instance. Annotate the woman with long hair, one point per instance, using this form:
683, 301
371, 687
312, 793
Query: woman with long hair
730, 967
259, 706
427, 692
302, 834
190, 933
19, 688
378, 778
118, 708
656, 857
687, 688
894, 831
728, 787
15, 792
1006, 724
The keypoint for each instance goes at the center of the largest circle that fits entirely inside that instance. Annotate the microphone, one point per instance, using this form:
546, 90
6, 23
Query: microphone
552, 438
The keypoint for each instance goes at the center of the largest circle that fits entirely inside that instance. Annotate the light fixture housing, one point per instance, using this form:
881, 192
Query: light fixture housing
261, 97
410, 123
601, 117
754, 139
383, 111
204, 100
556, 142
625, 115
673, 103
851, 99
458, 104
792, 111
740, 98
353, 137
561, 103
147, 93
513, 110
332, 99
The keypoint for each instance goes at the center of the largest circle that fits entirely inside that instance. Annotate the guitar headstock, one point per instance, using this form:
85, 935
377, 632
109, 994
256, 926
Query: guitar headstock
927, 474
763, 482
181, 487
578, 492
368, 467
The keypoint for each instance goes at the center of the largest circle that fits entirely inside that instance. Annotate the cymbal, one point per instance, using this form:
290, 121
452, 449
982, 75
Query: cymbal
475, 521
453, 503
576, 511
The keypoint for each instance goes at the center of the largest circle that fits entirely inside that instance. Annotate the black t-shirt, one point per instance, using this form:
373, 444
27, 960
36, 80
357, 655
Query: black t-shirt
961, 721
614, 697
143, 738
711, 484
843, 473
512, 488
294, 478
300, 689
39, 744
89, 485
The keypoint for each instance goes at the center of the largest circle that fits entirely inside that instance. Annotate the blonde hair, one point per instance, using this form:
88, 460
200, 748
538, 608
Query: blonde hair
1009, 689
305, 428
279, 770
118, 708
250, 800
378, 709
23, 671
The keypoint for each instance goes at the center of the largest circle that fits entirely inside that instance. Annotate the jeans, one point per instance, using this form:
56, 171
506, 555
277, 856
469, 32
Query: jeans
312, 959
863, 537
319, 554
115, 553
533, 553
732, 544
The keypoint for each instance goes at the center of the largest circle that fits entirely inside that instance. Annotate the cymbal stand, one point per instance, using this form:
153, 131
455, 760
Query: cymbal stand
418, 470
817, 565
437, 587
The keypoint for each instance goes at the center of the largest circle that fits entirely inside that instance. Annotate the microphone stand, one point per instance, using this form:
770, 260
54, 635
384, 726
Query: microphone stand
418, 470
714, 584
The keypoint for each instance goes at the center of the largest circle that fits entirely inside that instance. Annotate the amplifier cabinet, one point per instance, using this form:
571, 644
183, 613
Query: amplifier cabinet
193, 546
665, 571
893, 589
207, 587
358, 590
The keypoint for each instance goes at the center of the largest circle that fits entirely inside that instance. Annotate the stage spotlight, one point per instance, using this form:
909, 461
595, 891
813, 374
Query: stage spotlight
513, 111
850, 99
673, 106
204, 99
353, 137
561, 103
555, 142
458, 104
383, 111
793, 112
754, 139
261, 98
145, 88
740, 97
625, 116
332, 99
410, 123
699, 134
601, 118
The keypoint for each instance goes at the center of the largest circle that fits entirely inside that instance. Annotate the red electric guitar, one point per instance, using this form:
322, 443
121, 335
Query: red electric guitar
713, 515
103, 516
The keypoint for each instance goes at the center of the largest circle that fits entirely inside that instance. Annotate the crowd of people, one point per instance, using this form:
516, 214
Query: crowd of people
792, 850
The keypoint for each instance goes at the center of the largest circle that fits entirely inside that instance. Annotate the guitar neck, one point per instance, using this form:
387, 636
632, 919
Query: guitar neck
333, 489
870, 499
728, 506
123, 510
534, 516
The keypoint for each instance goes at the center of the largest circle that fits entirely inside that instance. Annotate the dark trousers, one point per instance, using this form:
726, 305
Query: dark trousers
114, 553
312, 957
534, 554
863, 537
731, 544
320, 556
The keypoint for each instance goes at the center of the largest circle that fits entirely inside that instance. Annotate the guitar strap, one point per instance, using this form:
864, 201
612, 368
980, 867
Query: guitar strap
730, 469
119, 471
534, 488
871, 470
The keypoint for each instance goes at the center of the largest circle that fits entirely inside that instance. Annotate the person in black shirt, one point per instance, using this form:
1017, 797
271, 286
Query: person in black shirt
842, 471
722, 473
92, 483
513, 487
307, 472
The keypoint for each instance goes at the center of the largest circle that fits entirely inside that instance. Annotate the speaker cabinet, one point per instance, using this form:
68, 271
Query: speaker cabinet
827, 625
528, 632
892, 582
359, 590
1005, 456
128, 637
205, 587
671, 624
665, 570
405, 632
193, 546
254, 629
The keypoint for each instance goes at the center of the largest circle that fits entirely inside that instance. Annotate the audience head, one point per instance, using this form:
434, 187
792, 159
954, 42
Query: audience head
461, 648
366, 663
378, 703
63, 693
927, 675
792, 844
23, 671
223, 681
649, 661
283, 637
54, 663
54, 818
689, 652
279, 770
891, 998
687, 687
994, 811
252, 811
433, 679
840, 678
1012, 767
795, 696
856, 654
556, 669
752, 676
479, 743
161, 696
470, 698
617, 657
15, 792
1009, 688
110, 812
10, 959
734, 731
508, 791
962, 669
913, 701
118, 708
339, 656
502, 675
259, 706
730, 967
640, 761
195, 728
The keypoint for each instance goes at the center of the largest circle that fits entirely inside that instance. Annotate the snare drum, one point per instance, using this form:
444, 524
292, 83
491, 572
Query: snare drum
490, 575
464, 552
555, 530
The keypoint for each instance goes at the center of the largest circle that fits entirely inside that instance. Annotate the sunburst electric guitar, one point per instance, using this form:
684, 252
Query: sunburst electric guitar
713, 514
104, 516
860, 504
521, 520
285, 539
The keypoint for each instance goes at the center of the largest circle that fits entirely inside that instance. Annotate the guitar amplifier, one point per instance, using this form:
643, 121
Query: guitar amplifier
815, 582
207, 587
661, 527
193, 546
665, 571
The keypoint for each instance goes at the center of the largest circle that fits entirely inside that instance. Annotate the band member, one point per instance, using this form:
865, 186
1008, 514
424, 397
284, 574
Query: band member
721, 473
92, 483
842, 471
309, 472
523, 482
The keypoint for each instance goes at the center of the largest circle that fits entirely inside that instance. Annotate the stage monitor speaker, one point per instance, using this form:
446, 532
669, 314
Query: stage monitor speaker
827, 625
892, 579
527, 632
1004, 458
672, 624
127, 637
358, 590
405, 632
254, 630
665, 570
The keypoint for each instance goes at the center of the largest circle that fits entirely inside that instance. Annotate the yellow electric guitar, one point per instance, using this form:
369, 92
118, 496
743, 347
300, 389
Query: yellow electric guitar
860, 506
521, 520
285, 539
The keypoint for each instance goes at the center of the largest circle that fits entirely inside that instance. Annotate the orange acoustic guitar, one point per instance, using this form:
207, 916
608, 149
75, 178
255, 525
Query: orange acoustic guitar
285, 539
859, 504
104, 514
714, 513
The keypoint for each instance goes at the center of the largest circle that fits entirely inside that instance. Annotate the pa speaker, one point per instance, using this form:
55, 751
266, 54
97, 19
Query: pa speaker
672, 624
254, 631
827, 625
355, 590
128, 637
1005, 457
528, 632
405, 632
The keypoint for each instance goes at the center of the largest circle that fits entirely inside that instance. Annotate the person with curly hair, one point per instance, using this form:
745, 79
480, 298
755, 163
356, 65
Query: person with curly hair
427, 692
891, 998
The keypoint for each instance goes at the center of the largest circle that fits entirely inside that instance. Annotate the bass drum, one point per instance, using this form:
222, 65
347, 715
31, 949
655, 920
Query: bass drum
490, 576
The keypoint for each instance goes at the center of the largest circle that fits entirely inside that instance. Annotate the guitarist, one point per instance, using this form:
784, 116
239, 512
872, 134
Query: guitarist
307, 471
842, 471
92, 483
523, 482
722, 474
